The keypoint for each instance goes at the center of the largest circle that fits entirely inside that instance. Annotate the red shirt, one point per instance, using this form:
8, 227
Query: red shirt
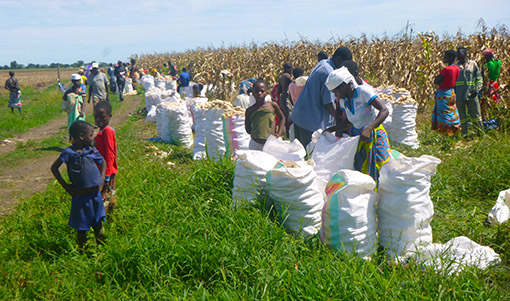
107, 147
450, 73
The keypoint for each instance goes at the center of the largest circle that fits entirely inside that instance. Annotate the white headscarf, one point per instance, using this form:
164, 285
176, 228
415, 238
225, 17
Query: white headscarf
75, 76
339, 76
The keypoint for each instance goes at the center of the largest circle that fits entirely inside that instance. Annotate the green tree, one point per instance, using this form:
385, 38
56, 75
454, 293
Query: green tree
14, 65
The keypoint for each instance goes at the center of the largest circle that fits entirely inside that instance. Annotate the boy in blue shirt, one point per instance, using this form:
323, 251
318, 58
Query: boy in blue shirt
82, 160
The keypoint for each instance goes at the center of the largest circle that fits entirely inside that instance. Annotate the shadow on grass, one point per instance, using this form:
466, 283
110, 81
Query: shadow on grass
51, 148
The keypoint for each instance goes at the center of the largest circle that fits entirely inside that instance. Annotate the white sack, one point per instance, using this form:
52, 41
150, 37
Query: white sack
403, 125
214, 141
199, 140
173, 123
128, 88
387, 122
293, 188
500, 213
332, 154
171, 84
404, 208
284, 150
152, 114
160, 83
457, 253
250, 174
234, 134
348, 217
315, 138
147, 82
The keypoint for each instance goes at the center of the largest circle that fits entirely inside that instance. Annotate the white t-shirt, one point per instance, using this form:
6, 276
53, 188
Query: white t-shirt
242, 101
359, 110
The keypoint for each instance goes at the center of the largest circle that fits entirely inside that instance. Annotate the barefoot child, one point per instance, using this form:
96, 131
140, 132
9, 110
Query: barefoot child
106, 144
87, 209
260, 117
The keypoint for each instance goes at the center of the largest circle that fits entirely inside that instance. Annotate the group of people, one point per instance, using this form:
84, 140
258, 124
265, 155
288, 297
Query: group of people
333, 98
465, 89
92, 171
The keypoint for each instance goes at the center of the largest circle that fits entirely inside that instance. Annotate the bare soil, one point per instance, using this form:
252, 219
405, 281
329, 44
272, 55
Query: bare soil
34, 174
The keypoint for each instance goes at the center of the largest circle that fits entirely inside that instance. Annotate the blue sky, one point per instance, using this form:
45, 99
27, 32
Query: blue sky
46, 31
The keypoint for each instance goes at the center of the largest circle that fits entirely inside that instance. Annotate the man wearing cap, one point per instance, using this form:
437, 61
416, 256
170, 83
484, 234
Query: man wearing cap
98, 85
314, 108
120, 73
468, 85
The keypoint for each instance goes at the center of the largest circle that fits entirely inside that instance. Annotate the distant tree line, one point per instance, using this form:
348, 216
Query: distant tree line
78, 64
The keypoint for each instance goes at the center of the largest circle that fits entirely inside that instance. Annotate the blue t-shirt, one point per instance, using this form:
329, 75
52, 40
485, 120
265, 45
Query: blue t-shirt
309, 111
184, 76
82, 166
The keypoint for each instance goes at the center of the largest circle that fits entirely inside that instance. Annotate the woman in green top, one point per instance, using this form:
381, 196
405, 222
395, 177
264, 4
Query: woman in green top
260, 117
75, 109
490, 72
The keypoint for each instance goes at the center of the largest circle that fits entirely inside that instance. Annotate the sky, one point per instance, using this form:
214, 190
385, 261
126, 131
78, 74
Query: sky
51, 31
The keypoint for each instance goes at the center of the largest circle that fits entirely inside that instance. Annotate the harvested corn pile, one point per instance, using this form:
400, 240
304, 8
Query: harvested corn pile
236, 111
215, 104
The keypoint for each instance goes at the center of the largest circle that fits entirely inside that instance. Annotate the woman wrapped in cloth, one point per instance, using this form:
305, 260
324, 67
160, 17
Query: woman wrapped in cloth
356, 115
445, 116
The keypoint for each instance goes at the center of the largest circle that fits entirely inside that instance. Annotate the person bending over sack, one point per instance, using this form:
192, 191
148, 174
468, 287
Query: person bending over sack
357, 104
260, 117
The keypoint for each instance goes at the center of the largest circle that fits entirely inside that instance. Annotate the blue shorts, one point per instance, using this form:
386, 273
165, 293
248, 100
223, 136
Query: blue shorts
86, 211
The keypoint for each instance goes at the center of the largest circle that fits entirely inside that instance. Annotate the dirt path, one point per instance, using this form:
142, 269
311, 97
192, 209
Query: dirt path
34, 175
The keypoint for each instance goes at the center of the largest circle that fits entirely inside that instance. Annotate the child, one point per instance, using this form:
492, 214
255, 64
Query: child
87, 209
106, 145
260, 117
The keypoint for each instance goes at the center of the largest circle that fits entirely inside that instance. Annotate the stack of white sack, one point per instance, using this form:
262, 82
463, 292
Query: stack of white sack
211, 124
198, 117
284, 150
250, 175
154, 98
192, 102
234, 131
171, 84
173, 123
293, 189
348, 218
500, 213
147, 82
160, 82
403, 119
386, 98
404, 208
332, 154
453, 256
128, 88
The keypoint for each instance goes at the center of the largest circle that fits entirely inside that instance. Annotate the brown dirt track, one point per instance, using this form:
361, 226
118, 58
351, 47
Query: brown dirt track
34, 174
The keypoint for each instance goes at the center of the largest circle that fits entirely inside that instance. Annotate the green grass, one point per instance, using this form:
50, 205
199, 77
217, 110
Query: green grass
39, 107
53, 144
175, 235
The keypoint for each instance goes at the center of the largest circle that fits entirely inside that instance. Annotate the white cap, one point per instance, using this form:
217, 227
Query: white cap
95, 65
75, 76
339, 76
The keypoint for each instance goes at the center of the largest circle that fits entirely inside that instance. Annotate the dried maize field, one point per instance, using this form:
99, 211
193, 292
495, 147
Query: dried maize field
38, 79
408, 61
